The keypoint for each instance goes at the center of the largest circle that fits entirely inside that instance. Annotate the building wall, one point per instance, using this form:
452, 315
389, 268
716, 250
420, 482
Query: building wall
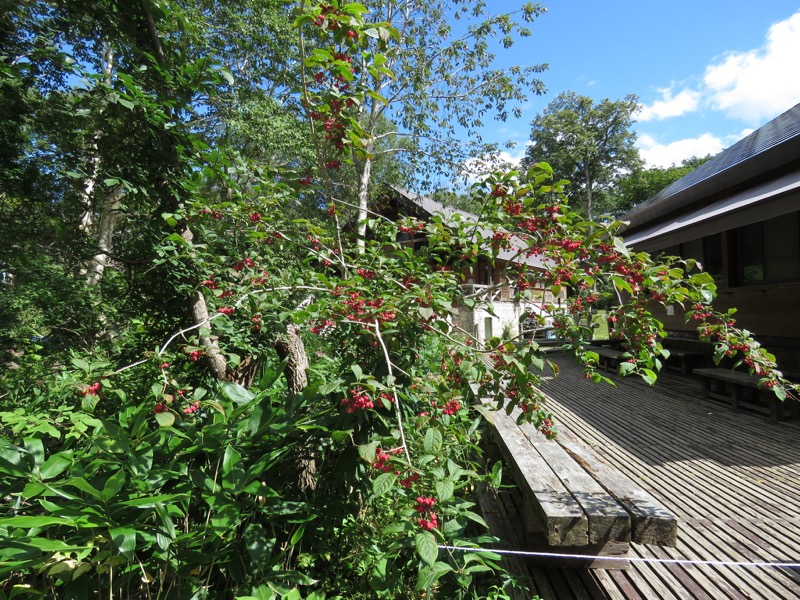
757, 270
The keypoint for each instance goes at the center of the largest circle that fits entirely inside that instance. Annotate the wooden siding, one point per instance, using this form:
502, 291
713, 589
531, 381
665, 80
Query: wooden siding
766, 310
733, 479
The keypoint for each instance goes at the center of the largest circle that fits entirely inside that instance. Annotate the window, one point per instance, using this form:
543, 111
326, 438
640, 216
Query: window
767, 251
706, 250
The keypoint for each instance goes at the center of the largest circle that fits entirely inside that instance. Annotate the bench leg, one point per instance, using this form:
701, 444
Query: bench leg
775, 408
736, 395
706, 385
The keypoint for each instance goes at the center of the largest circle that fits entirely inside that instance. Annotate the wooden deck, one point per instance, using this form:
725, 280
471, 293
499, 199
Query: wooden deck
733, 479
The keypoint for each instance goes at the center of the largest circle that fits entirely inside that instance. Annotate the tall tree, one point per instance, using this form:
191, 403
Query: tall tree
591, 145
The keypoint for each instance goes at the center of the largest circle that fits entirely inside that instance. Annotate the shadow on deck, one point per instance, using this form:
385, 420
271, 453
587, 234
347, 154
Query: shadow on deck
733, 479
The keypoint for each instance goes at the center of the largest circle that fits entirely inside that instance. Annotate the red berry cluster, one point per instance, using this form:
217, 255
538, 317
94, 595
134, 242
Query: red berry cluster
322, 326
191, 409
428, 521
195, 355
366, 273
410, 480
451, 407
382, 460
358, 400
410, 228
94, 389
500, 240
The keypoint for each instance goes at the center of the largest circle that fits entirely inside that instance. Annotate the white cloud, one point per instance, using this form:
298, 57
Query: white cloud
761, 83
670, 105
666, 155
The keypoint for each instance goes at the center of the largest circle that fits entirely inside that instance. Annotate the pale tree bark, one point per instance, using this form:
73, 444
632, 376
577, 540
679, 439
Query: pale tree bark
87, 221
304, 457
109, 216
199, 309
211, 350
363, 199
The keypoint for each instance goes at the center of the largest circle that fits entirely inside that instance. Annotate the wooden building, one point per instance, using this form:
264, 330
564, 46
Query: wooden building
482, 278
739, 215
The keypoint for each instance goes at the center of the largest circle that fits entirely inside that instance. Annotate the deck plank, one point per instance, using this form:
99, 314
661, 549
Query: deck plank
730, 477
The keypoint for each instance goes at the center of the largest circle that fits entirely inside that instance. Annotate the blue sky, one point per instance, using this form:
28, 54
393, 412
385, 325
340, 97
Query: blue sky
707, 72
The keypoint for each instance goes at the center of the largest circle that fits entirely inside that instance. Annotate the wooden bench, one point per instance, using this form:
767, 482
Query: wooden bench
686, 360
607, 358
741, 390
687, 354
573, 502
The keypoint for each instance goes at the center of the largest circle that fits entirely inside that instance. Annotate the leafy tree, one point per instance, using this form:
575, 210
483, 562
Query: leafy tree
436, 81
591, 145
642, 184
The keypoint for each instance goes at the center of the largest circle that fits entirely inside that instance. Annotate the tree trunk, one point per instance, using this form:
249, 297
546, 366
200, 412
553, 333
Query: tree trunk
213, 354
87, 193
303, 457
588, 176
363, 197
291, 346
104, 239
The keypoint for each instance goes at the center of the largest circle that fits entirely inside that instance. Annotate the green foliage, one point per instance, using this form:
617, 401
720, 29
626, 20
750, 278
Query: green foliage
156, 441
591, 145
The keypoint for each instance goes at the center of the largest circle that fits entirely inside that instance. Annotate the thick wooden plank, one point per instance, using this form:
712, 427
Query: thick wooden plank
608, 521
651, 522
736, 377
556, 513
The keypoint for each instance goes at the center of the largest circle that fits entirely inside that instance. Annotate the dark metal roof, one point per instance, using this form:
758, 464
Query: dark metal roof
768, 149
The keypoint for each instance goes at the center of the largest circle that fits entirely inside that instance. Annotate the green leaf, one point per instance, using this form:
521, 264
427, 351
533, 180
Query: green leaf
236, 393
113, 485
367, 451
165, 419
444, 489
84, 486
433, 441
475, 517
124, 540
27, 522
497, 474
36, 449
649, 376
56, 464
431, 574
426, 547
626, 368
227, 75
383, 483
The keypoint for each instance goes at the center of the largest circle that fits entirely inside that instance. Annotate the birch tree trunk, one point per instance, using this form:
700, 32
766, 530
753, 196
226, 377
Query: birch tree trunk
363, 196
105, 237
